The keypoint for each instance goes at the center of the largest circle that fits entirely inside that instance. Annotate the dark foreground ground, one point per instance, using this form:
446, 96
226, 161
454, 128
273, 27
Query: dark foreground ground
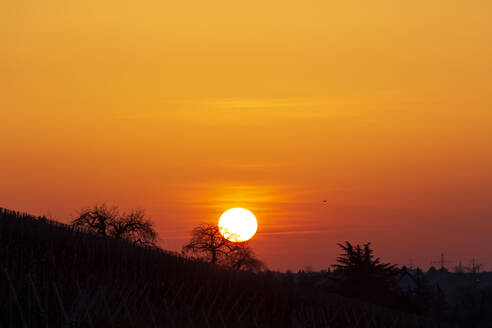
54, 276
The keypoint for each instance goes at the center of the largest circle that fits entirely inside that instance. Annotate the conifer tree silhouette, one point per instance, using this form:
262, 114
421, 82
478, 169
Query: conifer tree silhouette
358, 274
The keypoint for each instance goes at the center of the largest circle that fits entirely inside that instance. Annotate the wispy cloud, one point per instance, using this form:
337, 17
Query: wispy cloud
257, 103
229, 108
298, 232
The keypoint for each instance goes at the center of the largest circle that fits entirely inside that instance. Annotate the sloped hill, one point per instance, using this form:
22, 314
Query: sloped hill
52, 274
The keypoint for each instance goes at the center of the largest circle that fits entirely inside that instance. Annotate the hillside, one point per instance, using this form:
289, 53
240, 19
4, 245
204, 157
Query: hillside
52, 274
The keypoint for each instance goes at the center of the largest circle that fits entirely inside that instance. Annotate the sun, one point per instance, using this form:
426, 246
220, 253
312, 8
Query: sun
238, 224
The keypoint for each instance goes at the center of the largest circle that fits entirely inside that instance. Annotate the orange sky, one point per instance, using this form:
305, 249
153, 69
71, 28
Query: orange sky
187, 108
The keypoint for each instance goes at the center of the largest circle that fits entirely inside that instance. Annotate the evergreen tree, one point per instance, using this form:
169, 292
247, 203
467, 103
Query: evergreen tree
360, 275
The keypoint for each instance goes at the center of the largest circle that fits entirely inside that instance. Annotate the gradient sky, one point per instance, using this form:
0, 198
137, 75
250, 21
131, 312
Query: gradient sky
187, 108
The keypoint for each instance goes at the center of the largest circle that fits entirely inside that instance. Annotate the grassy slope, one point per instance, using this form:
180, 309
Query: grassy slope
50, 273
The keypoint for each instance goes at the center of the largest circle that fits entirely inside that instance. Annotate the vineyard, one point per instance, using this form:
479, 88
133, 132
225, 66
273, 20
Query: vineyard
54, 275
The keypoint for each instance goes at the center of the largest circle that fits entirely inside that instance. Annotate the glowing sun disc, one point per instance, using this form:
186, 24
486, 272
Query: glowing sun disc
238, 224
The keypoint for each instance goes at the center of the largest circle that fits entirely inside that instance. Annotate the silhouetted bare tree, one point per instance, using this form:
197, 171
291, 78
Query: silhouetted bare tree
208, 244
109, 222
242, 257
